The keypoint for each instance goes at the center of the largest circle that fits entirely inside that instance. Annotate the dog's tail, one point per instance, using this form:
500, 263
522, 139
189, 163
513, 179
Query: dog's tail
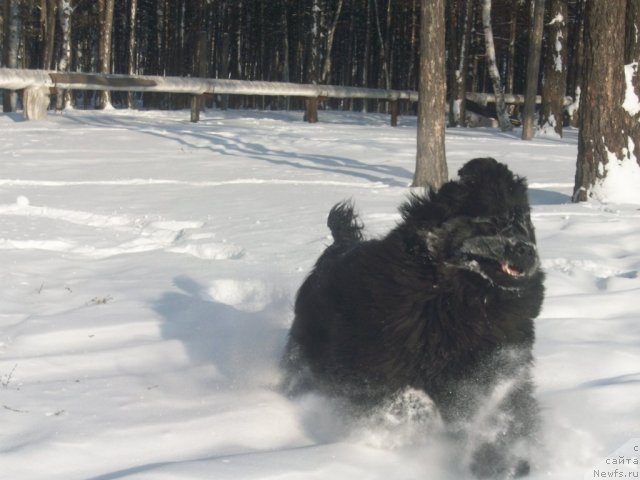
344, 223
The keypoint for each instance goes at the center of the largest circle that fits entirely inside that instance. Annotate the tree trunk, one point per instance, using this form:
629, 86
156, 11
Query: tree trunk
224, 68
105, 8
201, 55
11, 40
240, 40
314, 68
131, 47
607, 165
452, 60
286, 63
632, 76
64, 65
555, 69
431, 164
326, 68
494, 73
459, 107
632, 48
513, 30
367, 52
413, 42
48, 13
384, 61
533, 69
575, 74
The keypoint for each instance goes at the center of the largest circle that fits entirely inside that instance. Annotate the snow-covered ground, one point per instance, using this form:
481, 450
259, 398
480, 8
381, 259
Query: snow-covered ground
149, 267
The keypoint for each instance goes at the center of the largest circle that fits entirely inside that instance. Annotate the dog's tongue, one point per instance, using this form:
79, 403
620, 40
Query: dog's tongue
509, 270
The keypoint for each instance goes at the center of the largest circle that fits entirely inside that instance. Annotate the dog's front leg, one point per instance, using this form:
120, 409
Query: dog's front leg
505, 451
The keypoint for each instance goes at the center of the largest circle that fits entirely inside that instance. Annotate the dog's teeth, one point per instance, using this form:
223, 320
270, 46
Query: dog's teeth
506, 268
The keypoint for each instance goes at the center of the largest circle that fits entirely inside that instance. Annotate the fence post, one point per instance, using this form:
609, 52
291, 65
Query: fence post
311, 111
393, 110
196, 105
36, 102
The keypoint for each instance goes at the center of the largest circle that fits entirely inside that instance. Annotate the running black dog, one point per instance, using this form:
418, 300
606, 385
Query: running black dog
444, 303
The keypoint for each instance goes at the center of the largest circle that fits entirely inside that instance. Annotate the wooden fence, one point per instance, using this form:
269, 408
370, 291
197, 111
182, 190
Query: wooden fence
39, 84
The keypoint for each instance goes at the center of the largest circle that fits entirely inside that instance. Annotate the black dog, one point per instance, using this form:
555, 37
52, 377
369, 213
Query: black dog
444, 303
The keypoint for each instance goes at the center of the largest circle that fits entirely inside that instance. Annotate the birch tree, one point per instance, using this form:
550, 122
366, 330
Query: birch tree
331, 34
65, 10
314, 70
105, 9
501, 107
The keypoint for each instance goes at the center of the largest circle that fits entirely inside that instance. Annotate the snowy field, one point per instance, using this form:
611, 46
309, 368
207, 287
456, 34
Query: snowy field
149, 266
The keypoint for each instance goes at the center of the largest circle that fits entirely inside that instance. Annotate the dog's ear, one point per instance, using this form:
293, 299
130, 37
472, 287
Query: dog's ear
419, 207
433, 241
433, 207
439, 240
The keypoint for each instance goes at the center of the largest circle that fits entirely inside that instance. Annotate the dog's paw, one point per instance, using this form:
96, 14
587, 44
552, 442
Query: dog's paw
490, 461
410, 406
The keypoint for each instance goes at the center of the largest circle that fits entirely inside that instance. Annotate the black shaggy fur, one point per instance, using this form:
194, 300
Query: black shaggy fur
443, 303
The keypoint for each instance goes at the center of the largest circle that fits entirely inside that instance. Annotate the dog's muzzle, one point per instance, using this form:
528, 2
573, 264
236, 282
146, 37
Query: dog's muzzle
514, 257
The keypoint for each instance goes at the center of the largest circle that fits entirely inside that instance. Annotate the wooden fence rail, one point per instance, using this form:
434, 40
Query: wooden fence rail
51, 82
39, 84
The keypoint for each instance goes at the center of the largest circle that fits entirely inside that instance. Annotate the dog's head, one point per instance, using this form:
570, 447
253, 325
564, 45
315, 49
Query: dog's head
480, 225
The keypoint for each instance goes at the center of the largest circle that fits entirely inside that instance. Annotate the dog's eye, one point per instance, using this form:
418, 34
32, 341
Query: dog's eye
520, 223
485, 226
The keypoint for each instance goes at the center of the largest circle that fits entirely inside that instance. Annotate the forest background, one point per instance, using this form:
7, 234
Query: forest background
370, 43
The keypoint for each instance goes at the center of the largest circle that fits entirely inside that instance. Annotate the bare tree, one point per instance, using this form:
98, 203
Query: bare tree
384, 59
65, 10
605, 141
48, 20
331, 34
533, 69
431, 163
105, 11
314, 70
494, 73
576, 61
457, 109
131, 47
513, 30
555, 68
367, 50
11, 41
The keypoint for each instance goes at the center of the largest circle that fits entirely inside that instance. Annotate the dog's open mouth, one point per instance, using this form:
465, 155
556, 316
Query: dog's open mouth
500, 259
496, 269
510, 270
499, 271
